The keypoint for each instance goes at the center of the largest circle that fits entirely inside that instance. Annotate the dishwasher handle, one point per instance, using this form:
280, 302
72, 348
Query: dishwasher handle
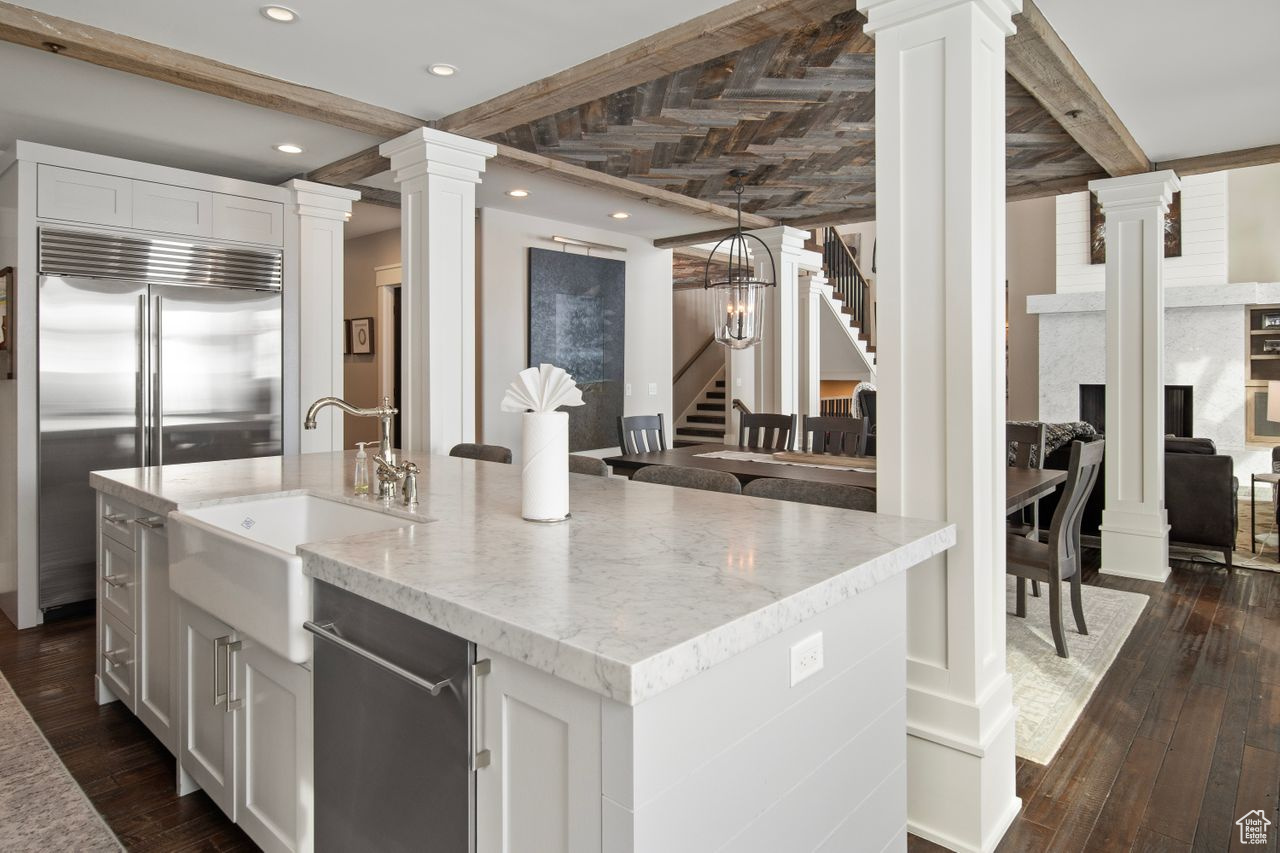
326, 631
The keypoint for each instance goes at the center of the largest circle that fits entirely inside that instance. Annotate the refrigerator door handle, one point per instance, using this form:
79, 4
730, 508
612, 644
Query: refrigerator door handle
143, 389
157, 386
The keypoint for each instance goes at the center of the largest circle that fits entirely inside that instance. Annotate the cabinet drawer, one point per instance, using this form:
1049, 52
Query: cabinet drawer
176, 210
118, 567
249, 220
117, 520
119, 661
83, 196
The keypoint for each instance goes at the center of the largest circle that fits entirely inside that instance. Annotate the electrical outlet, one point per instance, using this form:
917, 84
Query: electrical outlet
653, 389
628, 389
806, 658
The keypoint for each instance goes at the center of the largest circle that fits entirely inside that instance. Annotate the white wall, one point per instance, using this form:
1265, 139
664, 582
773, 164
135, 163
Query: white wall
502, 336
1253, 219
1030, 269
1204, 238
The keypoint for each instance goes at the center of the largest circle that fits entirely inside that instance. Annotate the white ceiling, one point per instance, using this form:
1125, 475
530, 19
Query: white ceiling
554, 199
1184, 76
377, 50
60, 101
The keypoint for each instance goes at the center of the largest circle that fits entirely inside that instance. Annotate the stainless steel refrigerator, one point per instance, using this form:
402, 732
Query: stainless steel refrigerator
152, 352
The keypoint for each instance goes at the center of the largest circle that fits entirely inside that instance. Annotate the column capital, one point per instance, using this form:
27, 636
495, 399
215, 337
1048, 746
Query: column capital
783, 240
425, 151
883, 14
323, 201
1133, 192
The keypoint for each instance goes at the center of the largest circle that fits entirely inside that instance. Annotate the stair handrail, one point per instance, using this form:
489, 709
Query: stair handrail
711, 339
741, 406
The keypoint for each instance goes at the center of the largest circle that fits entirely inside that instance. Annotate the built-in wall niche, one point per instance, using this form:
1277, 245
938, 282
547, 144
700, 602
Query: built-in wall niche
1262, 354
1263, 344
1178, 408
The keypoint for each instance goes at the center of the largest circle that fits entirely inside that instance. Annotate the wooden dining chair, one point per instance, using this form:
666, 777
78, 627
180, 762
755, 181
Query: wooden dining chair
689, 478
762, 431
1059, 559
642, 434
482, 452
840, 495
1027, 441
839, 436
593, 465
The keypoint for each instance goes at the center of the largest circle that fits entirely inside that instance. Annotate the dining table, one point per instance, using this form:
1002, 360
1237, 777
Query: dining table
1023, 486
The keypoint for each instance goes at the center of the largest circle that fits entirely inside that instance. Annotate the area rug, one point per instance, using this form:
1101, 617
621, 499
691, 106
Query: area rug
1267, 558
41, 806
1049, 691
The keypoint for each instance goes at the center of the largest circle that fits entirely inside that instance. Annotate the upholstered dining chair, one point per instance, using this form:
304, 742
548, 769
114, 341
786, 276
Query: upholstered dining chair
482, 452
642, 434
839, 436
839, 495
689, 478
762, 431
1059, 559
593, 465
1027, 441
867, 411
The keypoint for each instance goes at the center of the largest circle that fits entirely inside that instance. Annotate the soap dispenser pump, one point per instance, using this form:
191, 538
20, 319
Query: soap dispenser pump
361, 476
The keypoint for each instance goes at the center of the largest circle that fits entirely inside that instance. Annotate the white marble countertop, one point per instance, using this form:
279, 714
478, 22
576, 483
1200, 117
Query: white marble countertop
644, 587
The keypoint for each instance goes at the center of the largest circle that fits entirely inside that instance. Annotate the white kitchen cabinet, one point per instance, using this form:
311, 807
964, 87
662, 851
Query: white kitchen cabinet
117, 567
78, 196
248, 220
176, 210
273, 750
207, 727
117, 659
541, 789
157, 632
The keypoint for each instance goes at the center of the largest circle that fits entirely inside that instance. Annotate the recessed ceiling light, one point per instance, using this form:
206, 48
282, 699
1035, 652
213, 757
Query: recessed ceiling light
518, 193
289, 148
279, 14
621, 214
442, 69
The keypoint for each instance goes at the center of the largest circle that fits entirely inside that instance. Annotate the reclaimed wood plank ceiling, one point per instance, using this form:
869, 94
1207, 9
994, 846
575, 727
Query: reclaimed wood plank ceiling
797, 111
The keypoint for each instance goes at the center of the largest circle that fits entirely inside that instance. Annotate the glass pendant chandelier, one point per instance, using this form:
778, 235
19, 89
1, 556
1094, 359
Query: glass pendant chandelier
739, 292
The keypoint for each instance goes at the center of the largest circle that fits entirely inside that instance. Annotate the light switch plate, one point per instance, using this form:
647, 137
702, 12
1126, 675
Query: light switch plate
628, 389
653, 389
806, 658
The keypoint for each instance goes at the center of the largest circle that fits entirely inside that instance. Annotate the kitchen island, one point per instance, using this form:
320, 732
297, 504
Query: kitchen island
668, 670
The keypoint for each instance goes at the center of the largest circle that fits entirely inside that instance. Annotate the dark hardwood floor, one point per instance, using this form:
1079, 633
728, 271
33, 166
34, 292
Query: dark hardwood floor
1181, 738
127, 773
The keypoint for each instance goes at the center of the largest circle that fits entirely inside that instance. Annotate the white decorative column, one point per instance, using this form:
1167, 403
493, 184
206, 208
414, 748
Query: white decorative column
437, 173
812, 288
940, 209
314, 315
778, 355
1135, 526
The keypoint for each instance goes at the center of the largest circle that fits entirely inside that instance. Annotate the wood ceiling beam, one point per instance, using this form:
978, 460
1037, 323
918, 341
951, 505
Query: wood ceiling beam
725, 30
123, 53
1038, 59
377, 195
1040, 189
1244, 158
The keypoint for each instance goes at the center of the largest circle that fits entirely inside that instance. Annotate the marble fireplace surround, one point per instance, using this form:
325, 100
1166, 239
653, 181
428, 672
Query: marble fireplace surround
1205, 331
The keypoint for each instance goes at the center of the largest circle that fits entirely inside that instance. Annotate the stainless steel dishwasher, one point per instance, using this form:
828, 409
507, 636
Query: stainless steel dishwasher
392, 716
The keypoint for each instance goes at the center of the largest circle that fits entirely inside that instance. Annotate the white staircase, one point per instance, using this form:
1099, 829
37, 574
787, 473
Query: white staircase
706, 419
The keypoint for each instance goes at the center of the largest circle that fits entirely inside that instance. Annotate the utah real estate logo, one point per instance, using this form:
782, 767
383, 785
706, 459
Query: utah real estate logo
1253, 827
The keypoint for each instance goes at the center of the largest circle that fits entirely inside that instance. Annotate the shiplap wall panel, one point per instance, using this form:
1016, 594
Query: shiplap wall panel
1204, 238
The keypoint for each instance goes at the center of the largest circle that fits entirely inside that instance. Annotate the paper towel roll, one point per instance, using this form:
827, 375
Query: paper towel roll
545, 478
